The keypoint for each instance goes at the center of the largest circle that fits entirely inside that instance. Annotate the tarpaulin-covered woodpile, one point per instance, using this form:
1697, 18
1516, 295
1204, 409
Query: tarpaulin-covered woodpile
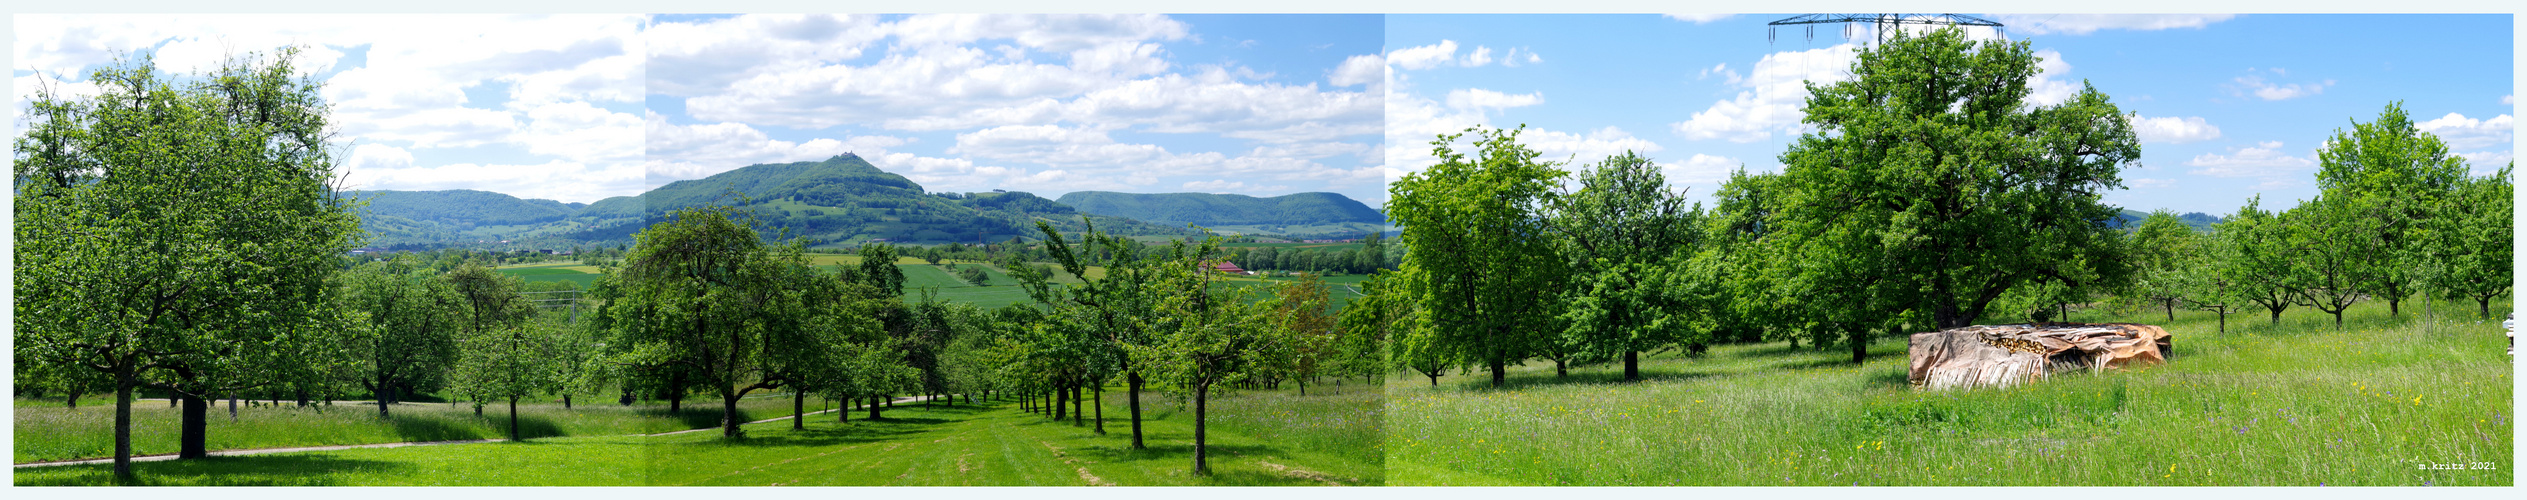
2004, 355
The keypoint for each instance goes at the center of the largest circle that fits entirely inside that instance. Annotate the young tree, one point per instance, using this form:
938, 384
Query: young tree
1209, 341
178, 233
2385, 180
2335, 270
2474, 259
405, 328
702, 292
2163, 248
1492, 273
1303, 310
1116, 310
1932, 186
975, 275
510, 362
2262, 267
2206, 282
1621, 230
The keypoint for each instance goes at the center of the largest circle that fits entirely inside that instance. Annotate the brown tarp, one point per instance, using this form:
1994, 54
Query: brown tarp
2004, 355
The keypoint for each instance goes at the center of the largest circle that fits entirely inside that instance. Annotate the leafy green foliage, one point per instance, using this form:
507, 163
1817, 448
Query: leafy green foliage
178, 233
1486, 267
1625, 234
1932, 187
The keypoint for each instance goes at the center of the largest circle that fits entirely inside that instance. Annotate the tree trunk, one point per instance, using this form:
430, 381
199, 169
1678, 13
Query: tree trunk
1100, 404
1061, 405
2483, 305
232, 398
1076, 416
1860, 347
798, 412
192, 434
1133, 379
513, 419
873, 408
1560, 370
565, 401
1434, 379
2224, 321
728, 420
2338, 318
1500, 370
383, 394
2171, 310
1302, 387
73, 400
1631, 366
2395, 307
2276, 315
1201, 409
123, 431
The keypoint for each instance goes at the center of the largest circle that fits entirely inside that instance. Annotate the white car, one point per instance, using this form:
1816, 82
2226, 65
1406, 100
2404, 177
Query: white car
2511, 324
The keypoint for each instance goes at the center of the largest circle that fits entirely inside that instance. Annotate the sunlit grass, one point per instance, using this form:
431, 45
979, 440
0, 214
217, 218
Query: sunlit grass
2295, 404
45, 431
988, 444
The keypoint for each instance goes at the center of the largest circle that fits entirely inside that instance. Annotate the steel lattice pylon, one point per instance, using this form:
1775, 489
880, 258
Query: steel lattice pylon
1882, 22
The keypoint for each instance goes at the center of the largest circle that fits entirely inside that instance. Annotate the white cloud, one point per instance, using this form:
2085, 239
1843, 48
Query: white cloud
2152, 183
2173, 130
2082, 24
1359, 70
1701, 169
1423, 57
2487, 162
2509, 100
1581, 150
1771, 97
678, 152
1480, 56
2273, 91
1479, 99
2043, 89
2461, 132
1699, 18
2264, 159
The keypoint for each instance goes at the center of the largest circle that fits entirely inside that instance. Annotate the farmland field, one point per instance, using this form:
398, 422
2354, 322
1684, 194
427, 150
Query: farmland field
2296, 404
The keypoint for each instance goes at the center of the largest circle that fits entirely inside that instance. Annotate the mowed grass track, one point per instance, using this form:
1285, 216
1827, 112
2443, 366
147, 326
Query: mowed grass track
1259, 438
2377, 403
45, 431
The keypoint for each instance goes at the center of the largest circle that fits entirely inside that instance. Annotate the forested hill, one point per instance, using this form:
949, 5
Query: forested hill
839, 201
2201, 222
1226, 209
845, 200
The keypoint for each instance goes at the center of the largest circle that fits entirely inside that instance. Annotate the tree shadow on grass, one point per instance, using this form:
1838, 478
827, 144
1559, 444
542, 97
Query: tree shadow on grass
413, 427
294, 469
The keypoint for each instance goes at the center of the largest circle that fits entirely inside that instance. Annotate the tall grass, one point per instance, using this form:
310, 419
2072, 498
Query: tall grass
2381, 402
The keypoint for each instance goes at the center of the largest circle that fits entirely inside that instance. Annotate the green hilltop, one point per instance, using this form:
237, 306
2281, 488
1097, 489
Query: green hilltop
839, 201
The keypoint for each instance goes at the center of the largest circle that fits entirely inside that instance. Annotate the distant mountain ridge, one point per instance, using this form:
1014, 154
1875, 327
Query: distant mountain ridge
1225, 209
2201, 222
842, 200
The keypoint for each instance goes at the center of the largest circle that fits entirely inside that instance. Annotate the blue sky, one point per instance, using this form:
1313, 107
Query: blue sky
535, 106
2228, 107
1260, 105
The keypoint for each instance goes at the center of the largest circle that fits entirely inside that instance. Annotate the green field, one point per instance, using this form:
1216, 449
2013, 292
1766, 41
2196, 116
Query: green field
1257, 438
46, 431
2295, 404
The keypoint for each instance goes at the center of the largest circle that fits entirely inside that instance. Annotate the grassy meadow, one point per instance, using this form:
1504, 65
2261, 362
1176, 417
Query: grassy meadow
47, 431
1257, 438
2384, 401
